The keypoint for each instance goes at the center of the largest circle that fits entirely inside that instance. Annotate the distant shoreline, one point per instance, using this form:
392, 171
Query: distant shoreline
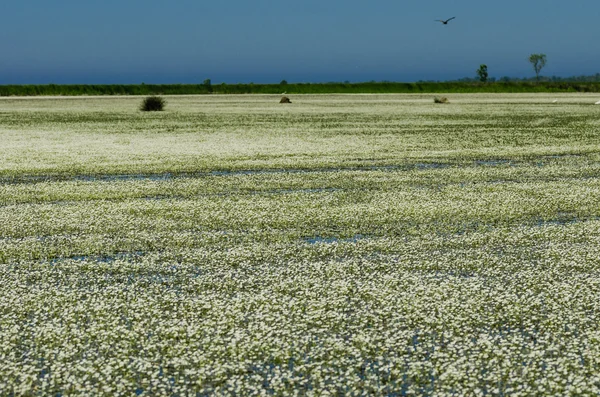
295, 88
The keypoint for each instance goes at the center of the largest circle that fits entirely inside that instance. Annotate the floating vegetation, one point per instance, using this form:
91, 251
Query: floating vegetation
366, 245
492, 163
330, 240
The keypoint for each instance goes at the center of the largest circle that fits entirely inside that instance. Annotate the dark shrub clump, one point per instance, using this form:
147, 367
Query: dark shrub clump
441, 100
152, 104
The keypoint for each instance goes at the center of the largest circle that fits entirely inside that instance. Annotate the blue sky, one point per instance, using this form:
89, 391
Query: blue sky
262, 41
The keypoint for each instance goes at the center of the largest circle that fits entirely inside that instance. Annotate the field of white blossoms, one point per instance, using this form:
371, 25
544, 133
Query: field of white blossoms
341, 244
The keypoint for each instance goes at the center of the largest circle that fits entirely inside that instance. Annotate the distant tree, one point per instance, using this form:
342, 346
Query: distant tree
283, 82
208, 84
482, 72
538, 61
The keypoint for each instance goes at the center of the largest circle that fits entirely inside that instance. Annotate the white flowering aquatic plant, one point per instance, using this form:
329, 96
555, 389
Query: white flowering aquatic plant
350, 245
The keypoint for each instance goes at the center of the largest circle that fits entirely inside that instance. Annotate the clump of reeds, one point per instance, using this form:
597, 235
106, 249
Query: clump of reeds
152, 104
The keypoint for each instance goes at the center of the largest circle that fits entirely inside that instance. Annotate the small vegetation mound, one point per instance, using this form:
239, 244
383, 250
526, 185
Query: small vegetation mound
441, 100
152, 104
285, 99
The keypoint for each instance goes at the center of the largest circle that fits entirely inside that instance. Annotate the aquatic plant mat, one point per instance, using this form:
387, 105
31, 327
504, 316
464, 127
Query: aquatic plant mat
351, 244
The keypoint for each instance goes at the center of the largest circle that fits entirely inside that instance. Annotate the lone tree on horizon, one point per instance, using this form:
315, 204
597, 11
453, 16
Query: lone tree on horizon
538, 61
482, 73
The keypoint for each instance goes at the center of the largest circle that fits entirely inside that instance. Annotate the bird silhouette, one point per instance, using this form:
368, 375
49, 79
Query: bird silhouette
446, 21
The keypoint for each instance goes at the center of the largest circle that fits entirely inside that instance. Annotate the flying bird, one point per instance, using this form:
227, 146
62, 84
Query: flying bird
446, 21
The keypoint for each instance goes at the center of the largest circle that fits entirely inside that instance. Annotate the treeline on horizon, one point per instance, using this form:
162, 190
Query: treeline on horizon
300, 88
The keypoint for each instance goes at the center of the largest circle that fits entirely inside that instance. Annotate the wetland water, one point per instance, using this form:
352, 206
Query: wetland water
232, 245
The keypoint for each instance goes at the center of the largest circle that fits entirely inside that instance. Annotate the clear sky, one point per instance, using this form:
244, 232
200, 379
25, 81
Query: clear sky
265, 41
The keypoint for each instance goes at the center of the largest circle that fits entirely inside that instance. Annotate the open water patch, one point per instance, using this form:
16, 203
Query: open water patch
492, 162
98, 258
166, 176
427, 166
295, 191
563, 220
126, 177
26, 179
333, 240
452, 275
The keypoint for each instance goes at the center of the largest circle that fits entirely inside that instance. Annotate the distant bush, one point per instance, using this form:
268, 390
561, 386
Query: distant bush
441, 100
152, 104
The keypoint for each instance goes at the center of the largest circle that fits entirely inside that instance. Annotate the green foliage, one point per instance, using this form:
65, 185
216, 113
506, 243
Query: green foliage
505, 85
152, 104
482, 73
208, 85
538, 61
